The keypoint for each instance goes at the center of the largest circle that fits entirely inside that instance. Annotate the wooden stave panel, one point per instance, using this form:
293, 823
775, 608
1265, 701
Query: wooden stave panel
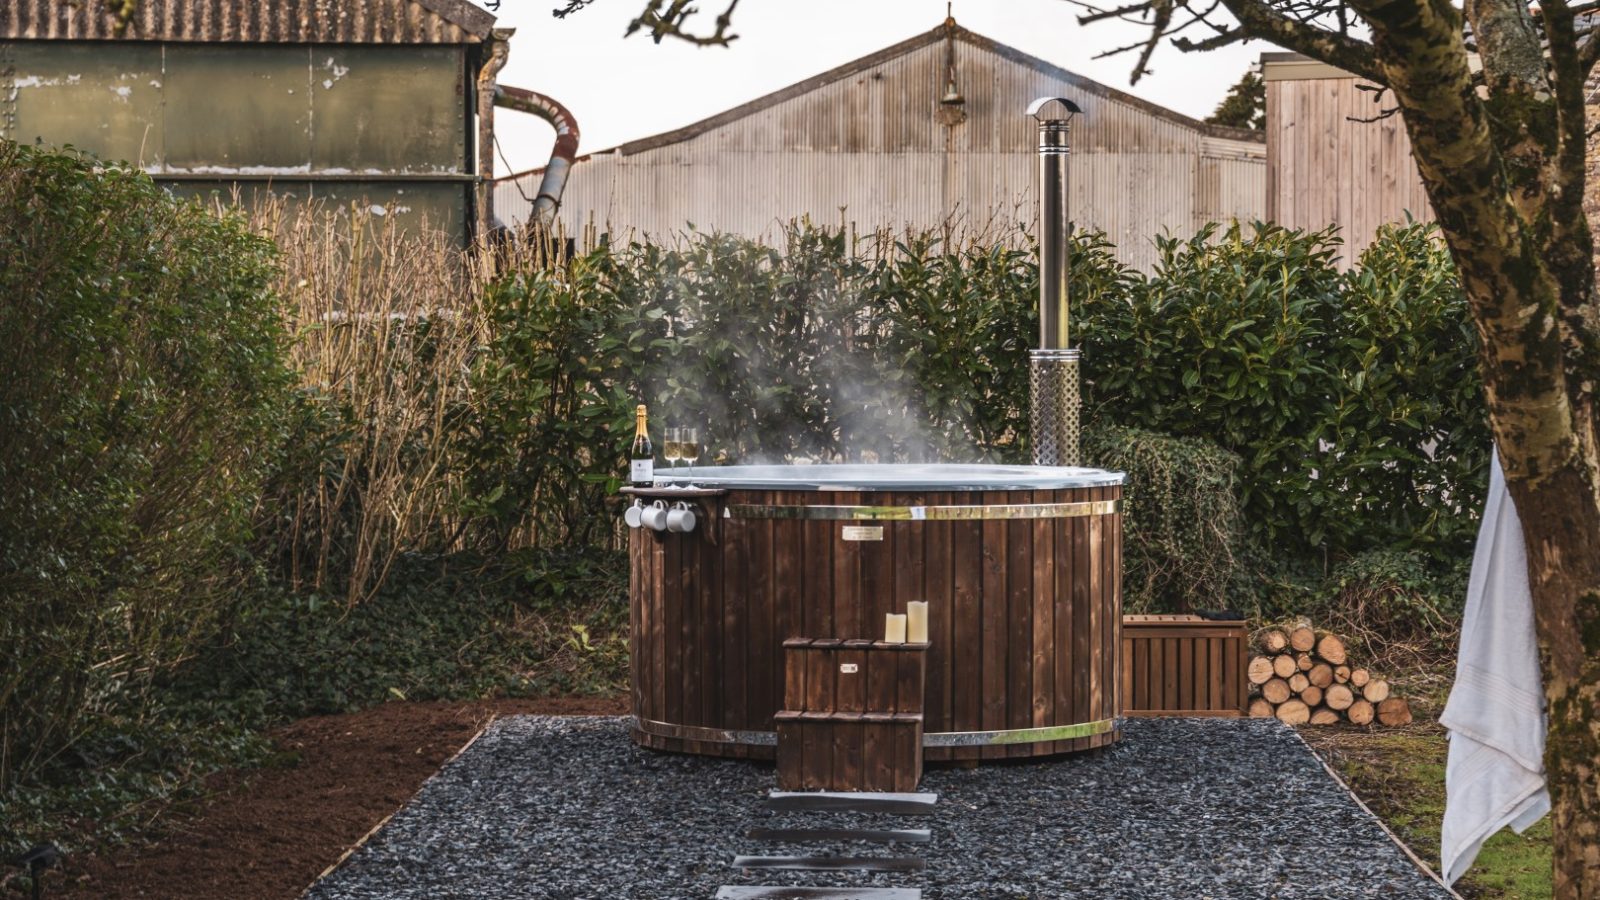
1097, 693
1216, 684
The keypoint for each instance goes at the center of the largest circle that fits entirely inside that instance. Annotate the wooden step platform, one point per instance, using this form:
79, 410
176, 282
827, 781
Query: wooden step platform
833, 863
868, 835
764, 892
905, 804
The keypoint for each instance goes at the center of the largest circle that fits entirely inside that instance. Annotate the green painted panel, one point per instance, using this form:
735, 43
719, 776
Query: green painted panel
243, 108
103, 98
389, 109
410, 206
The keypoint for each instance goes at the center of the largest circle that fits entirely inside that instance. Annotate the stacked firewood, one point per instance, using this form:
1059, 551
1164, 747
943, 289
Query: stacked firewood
1301, 675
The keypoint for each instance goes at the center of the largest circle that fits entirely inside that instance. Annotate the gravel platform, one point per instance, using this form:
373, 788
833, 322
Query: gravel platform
569, 809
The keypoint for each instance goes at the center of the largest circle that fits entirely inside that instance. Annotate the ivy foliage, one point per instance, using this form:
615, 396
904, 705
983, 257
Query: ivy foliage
1182, 525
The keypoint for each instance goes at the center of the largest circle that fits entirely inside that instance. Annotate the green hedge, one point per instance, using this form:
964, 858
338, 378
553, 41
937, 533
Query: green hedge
1352, 400
142, 384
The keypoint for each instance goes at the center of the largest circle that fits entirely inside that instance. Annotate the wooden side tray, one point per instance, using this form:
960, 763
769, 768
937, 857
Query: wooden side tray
853, 715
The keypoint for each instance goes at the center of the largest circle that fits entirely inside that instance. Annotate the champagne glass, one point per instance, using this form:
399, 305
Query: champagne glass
672, 447
689, 445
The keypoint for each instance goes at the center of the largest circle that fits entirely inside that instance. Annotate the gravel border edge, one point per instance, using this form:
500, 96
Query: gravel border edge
1404, 848
362, 842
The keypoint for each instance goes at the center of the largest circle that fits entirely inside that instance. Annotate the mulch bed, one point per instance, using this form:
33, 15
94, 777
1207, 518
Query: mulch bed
268, 833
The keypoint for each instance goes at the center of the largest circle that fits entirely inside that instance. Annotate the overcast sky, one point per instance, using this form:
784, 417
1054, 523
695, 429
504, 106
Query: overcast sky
621, 89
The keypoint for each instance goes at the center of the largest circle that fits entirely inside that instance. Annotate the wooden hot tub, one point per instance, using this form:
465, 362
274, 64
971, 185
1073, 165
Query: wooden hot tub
1021, 565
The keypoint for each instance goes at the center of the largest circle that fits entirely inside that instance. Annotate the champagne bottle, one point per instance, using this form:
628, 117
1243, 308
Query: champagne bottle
642, 472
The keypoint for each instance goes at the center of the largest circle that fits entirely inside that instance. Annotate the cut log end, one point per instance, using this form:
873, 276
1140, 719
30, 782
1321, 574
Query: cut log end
1312, 695
1259, 670
1341, 674
1332, 649
1359, 677
1359, 713
1321, 675
1298, 682
1273, 640
1375, 691
1394, 711
1261, 708
1324, 716
1276, 690
1302, 639
1294, 712
1338, 697
1283, 666
1304, 662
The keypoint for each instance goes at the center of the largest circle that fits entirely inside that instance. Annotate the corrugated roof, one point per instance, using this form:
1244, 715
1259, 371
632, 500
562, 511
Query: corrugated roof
254, 21
873, 60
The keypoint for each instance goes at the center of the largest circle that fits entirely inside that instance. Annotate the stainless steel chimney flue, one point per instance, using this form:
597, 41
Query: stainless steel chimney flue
1053, 368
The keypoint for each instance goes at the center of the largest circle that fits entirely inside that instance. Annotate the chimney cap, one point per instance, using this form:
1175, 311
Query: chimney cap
1036, 109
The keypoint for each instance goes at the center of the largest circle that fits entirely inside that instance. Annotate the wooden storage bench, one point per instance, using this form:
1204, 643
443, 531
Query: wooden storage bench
1183, 665
852, 717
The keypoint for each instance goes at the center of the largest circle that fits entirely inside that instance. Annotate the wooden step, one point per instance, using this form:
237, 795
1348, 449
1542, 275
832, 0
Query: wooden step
833, 863
906, 804
869, 835
773, 892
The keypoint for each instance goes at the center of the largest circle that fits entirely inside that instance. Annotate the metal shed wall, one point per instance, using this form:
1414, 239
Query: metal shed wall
865, 144
1327, 167
338, 100
257, 21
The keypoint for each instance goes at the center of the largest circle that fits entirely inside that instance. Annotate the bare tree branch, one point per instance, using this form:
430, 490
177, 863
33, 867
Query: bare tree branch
1341, 50
667, 18
669, 22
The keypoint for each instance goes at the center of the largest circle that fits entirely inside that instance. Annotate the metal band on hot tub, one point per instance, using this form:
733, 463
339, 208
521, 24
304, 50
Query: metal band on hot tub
926, 513
931, 739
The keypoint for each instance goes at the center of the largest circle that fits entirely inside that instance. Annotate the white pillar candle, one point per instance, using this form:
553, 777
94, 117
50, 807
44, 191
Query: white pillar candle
917, 621
894, 628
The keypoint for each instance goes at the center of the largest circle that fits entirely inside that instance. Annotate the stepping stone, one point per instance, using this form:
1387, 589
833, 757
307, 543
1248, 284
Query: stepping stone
833, 863
870, 835
760, 892
919, 804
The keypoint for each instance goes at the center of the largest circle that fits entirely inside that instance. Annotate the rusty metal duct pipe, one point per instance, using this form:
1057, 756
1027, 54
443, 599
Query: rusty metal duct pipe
1053, 368
561, 157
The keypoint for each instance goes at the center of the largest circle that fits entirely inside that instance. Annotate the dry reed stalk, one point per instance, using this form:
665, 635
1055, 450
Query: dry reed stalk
386, 325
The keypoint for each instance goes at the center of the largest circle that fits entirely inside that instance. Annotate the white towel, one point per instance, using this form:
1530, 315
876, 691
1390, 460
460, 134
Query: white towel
1495, 773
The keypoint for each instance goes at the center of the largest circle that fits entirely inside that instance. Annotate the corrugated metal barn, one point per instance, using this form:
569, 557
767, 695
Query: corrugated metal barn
872, 142
1330, 159
380, 101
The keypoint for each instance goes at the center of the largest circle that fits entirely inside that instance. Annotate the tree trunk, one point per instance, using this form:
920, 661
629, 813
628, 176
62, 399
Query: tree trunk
1505, 176
1501, 153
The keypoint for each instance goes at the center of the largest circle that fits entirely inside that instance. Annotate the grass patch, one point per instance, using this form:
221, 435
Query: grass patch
1399, 772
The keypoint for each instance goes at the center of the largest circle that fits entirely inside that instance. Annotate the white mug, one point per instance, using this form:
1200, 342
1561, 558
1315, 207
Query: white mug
655, 515
634, 515
681, 518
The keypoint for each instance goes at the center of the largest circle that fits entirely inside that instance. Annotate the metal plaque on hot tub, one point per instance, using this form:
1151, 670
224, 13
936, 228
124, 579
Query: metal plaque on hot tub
862, 532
